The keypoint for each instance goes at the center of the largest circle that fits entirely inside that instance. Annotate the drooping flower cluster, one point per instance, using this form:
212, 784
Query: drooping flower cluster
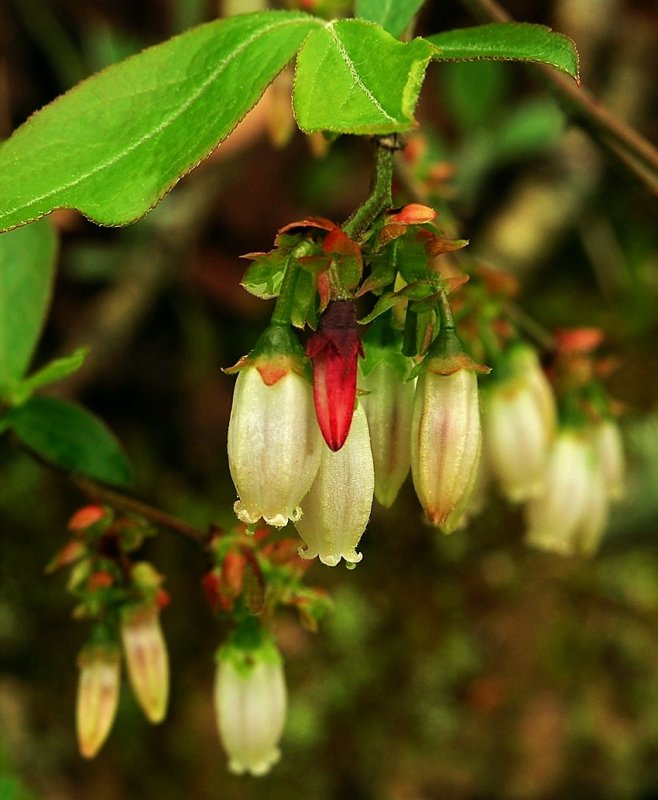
123, 600
585, 469
414, 403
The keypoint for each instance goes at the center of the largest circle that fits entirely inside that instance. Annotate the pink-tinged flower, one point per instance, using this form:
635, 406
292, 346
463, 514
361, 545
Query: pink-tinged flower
334, 350
337, 507
446, 439
610, 450
146, 659
389, 409
273, 440
570, 515
250, 704
98, 696
519, 425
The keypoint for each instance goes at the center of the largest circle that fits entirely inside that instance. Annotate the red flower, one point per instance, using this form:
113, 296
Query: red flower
334, 349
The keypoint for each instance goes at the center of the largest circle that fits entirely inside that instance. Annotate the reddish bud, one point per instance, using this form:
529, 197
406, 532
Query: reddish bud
85, 517
233, 573
413, 214
69, 554
212, 588
100, 580
162, 598
578, 340
334, 349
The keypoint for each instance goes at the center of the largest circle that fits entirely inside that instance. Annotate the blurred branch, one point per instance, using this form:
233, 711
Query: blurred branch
636, 155
111, 497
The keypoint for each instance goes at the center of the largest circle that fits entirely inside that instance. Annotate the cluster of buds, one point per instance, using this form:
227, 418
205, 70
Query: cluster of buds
123, 599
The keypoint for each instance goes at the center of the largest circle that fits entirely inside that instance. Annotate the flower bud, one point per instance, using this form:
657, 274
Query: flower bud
571, 513
146, 659
519, 425
334, 350
250, 704
98, 695
337, 507
446, 436
273, 441
610, 449
389, 409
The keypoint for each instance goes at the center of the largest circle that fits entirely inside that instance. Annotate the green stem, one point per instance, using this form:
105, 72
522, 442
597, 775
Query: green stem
381, 195
285, 300
283, 307
445, 312
101, 494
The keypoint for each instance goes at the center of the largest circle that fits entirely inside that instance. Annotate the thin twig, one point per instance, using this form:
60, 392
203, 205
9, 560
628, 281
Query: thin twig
112, 497
637, 155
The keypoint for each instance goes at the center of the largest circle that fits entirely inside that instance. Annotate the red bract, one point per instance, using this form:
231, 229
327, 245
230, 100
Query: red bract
334, 349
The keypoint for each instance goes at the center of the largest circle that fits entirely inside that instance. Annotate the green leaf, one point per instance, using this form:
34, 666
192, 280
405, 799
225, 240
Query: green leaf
114, 145
508, 41
70, 437
393, 15
27, 268
55, 371
264, 277
353, 77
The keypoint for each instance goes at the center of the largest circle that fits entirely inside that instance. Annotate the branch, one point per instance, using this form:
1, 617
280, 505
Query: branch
102, 494
636, 155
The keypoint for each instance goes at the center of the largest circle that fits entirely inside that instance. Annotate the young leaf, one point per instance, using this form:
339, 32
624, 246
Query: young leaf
508, 41
113, 146
70, 437
27, 268
353, 77
55, 371
393, 15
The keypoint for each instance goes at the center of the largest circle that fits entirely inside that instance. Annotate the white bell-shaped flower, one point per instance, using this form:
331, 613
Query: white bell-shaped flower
610, 450
570, 515
519, 425
337, 507
250, 703
445, 444
389, 408
274, 444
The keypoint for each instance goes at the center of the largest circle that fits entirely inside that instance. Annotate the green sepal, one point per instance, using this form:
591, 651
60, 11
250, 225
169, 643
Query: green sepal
383, 343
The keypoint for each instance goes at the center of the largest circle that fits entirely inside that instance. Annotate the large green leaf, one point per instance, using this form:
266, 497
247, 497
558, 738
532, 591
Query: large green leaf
27, 266
353, 77
393, 15
70, 437
508, 41
116, 143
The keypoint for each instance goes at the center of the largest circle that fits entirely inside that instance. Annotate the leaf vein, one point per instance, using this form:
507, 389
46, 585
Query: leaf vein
354, 73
